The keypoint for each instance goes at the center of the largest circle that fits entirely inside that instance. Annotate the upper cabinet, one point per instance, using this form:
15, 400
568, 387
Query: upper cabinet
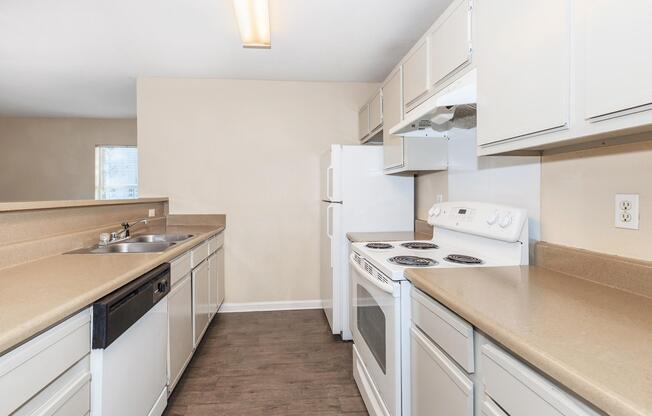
450, 42
415, 74
523, 66
363, 123
370, 119
618, 62
560, 73
376, 112
392, 114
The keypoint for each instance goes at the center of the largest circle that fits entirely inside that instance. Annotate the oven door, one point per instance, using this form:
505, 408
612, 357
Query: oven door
375, 315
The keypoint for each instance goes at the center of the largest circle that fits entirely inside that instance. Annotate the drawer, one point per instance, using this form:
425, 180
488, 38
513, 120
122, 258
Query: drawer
31, 367
489, 408
215, 243
198, 254
439, 387
520, 391
450, 332
68, 395
179, 268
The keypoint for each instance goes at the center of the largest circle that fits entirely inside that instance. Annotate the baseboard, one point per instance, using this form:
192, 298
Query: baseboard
270, 306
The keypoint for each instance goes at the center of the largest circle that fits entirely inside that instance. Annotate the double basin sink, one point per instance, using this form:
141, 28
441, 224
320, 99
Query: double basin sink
148, 243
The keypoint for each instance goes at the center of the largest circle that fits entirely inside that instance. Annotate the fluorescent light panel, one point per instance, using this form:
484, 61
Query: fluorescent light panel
253, 21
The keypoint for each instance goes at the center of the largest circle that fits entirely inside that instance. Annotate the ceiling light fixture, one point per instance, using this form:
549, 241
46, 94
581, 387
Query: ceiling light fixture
253, 21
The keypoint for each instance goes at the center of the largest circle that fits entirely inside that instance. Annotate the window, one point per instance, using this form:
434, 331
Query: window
116, 172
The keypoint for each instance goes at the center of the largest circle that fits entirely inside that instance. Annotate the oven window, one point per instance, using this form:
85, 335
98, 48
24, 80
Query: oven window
371, 325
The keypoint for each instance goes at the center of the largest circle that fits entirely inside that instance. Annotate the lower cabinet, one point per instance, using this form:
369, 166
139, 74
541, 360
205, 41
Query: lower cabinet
443, 383
438, 387
200, 296
180, 321
50, 374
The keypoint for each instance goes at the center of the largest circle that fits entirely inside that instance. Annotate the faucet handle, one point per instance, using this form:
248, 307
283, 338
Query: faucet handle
105, 238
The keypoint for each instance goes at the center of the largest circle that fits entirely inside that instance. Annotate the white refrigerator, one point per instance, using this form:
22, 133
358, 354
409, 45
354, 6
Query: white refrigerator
355, 197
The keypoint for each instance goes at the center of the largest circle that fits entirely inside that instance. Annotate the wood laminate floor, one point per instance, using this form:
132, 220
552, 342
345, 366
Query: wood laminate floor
268, 363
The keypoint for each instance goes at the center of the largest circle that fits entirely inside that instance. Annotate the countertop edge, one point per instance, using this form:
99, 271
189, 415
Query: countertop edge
39, 324
582, 387
37, 205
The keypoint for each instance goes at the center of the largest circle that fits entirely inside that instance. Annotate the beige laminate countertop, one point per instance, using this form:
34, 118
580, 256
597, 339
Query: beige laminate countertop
386, 236
594, 340
36, 295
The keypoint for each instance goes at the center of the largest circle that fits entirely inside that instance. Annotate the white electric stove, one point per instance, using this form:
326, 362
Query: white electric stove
466, 234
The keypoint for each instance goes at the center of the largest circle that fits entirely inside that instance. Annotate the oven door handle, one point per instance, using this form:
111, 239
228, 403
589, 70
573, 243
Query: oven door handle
385, 287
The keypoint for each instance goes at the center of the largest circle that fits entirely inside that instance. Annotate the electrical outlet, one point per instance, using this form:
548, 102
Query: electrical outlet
440, 198
152, 212
626, 212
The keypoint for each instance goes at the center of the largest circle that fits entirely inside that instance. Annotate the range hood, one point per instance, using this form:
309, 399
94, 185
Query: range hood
454, 106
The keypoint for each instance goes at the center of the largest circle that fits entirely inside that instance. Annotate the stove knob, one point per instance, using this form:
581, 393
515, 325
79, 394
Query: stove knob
492, 218
435, 212
506, 220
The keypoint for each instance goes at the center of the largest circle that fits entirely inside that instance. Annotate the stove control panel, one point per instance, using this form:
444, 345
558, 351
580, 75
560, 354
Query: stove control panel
478, 218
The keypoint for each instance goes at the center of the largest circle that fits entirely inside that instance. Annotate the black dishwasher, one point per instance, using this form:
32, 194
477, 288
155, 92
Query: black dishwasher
115, 313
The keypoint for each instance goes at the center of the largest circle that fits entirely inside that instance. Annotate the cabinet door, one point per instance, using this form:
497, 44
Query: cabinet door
392, 115
213, 284
221, 277
415, 74
363, 122
438, 386
376, 112
450, 43
200, 290
180, 327
523, 67
618, 60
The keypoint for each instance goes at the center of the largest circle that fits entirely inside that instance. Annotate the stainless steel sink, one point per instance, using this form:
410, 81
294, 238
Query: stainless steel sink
126, 247
158, 238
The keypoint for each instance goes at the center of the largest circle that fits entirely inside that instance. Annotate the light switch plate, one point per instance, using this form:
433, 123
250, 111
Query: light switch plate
626, 211
152, 212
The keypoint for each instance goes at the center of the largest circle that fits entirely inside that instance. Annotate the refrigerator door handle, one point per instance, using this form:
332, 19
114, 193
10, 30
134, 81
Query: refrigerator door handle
329, 184
329, 224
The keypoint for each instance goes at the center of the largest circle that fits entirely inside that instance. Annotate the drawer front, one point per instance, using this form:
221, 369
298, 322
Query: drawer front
439, 387
520, 391
198, 254
67, 395
179, 268
450, 332
31, 367
215, 243
489, 408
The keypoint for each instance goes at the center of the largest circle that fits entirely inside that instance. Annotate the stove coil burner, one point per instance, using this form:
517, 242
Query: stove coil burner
412, 261
420, 245
462, 259
379, 246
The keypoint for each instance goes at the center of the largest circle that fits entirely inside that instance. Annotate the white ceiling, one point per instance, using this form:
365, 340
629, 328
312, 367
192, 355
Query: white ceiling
82, 57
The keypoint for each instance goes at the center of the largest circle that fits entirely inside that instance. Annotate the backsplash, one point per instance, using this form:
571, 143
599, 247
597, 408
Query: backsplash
577, 198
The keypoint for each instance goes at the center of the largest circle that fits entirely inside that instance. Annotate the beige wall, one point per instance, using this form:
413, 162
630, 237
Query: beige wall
54, 158
577, 198
250, 150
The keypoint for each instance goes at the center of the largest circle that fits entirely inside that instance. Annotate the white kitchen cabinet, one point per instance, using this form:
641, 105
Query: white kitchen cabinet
523, 66
50, 374
438, 386
392, 114
221, 277
450, 42
180, 329
200, 300
363, 123
415, 74
520, 391
376, 112
618, 63
213, 286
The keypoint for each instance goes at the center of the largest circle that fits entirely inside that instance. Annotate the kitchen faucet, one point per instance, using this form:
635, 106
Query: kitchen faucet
122, 234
